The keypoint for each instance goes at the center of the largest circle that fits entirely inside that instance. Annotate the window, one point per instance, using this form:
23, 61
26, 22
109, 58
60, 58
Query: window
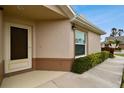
80, 41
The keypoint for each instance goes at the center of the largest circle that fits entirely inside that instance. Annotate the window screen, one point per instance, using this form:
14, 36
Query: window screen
19, 43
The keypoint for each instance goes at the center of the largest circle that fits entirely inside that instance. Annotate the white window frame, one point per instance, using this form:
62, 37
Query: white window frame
83, 55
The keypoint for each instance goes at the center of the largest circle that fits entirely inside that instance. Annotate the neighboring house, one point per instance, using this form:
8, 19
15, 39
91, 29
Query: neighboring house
119, 38
43, 38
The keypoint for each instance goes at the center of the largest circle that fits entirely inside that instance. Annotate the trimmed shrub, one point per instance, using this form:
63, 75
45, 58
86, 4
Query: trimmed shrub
104, 55
95, 59
111, 55
83, 64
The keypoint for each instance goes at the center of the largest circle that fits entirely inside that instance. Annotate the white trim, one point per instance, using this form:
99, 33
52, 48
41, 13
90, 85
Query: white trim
85, 24
85, 34
20, 64
80, 56
68, 11
79, 44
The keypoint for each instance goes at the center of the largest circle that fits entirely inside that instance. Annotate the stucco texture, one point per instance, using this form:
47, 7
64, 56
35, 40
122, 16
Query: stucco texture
54, 39
1, 47
93, 43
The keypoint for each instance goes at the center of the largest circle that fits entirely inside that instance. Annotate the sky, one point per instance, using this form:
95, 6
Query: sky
103, 16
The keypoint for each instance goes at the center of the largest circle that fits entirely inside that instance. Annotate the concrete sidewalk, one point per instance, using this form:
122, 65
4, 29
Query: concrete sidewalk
105, 75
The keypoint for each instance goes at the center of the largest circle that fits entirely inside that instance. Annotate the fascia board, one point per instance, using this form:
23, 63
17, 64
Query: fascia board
84, 24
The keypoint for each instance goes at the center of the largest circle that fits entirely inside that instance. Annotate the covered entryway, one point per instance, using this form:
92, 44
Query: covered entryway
33, 38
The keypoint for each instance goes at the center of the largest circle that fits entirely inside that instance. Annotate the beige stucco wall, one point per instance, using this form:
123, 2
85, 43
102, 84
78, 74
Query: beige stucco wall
50, 39
1, 46
1, 35
93, 43
54, 39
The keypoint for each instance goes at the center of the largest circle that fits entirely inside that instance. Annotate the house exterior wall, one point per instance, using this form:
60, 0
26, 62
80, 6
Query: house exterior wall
1, 47
54, 39
121, 46
93, 43
54, 45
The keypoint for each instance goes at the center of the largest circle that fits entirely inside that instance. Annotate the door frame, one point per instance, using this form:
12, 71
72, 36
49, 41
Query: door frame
20, 64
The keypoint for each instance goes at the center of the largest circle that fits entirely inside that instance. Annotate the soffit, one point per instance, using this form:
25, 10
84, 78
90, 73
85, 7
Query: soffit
34, 12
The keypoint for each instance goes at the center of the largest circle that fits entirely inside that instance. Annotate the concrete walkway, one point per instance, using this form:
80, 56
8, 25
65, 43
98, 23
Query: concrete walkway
105, 75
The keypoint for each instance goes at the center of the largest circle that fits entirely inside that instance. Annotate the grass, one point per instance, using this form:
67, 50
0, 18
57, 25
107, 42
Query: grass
122, 82
122, 85
120, 55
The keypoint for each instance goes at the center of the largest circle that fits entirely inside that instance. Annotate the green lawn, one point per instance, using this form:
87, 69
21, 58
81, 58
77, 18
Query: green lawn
122, 85
120, 55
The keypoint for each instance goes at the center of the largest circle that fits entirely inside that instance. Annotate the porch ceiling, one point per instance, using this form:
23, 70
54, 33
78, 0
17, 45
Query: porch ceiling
34, 12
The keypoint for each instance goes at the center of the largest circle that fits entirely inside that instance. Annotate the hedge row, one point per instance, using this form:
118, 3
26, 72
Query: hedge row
83, 64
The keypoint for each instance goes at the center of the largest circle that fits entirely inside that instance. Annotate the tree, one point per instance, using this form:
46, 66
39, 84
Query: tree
117, 42
114, 32
120, 31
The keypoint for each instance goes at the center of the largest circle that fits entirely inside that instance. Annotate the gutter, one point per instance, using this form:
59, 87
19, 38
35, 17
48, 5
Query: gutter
67, 10
75, 18
85, 24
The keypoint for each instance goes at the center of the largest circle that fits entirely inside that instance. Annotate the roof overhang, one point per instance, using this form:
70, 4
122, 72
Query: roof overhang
34, 12
68, 11
50, 13
81, 21
78, 20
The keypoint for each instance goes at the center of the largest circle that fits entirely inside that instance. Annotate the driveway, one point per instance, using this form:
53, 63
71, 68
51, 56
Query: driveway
105, 75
